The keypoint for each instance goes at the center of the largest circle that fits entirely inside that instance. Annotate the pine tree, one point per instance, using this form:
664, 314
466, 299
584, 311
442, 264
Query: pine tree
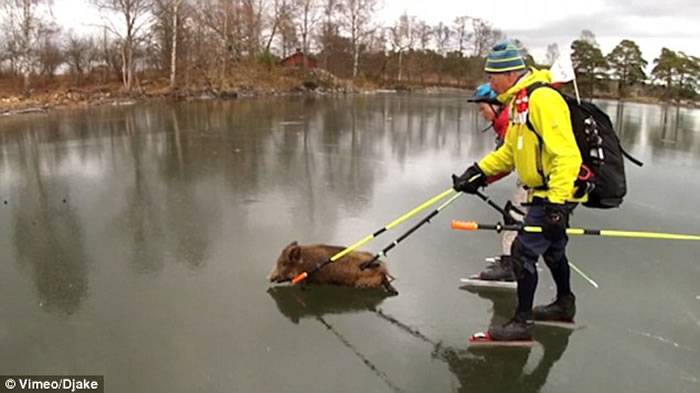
627, 64
588, 60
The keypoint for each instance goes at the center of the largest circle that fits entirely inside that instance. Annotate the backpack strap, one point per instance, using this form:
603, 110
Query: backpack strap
529, 90
631, 158
582, 182
522, 106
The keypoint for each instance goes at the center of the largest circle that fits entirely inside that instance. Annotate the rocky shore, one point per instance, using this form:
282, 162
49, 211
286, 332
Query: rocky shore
43, 100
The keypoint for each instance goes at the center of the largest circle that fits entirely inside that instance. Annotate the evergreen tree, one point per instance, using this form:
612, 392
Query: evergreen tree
665, 67
588, 61
627, 64
679, 73
688, 76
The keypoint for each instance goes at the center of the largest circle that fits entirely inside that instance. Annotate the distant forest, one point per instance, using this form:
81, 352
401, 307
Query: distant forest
187, 43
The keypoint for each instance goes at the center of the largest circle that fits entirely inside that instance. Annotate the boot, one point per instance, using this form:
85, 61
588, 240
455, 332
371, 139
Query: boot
562, 309
517, 329
493, 259
502, 270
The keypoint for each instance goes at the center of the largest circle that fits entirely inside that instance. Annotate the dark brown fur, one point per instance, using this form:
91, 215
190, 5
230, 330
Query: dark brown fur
346, 271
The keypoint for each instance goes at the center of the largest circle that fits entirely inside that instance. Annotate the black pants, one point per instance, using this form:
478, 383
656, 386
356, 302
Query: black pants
526, 250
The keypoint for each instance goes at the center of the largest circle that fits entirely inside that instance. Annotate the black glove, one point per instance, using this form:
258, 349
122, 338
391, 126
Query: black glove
470, 181
556, 220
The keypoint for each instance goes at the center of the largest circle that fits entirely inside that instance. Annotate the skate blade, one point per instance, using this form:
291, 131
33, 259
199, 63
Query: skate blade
559, 324
483, 339
479, 283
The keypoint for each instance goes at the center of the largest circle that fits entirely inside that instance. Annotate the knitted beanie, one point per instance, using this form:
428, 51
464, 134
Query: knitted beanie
504, 57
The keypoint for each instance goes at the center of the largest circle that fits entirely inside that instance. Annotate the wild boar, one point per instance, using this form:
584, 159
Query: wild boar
346, 271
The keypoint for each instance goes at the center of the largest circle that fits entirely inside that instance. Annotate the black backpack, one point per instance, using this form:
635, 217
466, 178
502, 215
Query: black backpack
602, 174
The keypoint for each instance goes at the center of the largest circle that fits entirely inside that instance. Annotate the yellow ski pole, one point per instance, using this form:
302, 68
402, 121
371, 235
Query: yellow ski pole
302, 276
473, 226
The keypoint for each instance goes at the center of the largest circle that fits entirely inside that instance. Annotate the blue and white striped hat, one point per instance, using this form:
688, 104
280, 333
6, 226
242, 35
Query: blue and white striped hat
504, 57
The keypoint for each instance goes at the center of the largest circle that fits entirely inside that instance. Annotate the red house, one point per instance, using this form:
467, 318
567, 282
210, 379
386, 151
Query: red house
298, 59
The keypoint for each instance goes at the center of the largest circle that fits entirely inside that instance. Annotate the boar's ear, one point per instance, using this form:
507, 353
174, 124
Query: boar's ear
295, 253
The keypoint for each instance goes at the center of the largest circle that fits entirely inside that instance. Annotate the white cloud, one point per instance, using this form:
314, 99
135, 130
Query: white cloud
505, 14
650, 23
79, 15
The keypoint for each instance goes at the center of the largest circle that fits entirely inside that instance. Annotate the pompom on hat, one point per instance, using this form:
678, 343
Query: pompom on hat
504, 57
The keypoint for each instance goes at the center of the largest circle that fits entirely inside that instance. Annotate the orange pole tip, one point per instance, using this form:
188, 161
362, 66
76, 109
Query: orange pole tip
301, 277
464, 225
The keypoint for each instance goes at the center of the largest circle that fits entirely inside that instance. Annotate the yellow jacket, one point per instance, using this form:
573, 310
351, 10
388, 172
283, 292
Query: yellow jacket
561, 159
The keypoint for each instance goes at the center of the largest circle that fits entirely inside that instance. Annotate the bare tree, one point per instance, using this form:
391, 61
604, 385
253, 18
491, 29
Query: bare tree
25, 29
4, 50
161, 35
357, 15
251, 22
485, 36
79, 53
307, 17
3, 54
288, 35
176, 9
402, 38
330, 9
219, 31
49, 55
281, 12
109, 55
137, 17
442, 35
552, 53
462, 35
424, 34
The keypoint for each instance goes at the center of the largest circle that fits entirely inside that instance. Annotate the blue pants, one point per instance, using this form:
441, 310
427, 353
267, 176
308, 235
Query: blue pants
527, 249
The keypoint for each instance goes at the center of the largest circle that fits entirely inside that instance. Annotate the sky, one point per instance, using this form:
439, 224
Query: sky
652, 24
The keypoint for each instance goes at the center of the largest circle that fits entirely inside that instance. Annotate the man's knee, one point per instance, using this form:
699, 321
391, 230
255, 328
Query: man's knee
554, 259
524, 260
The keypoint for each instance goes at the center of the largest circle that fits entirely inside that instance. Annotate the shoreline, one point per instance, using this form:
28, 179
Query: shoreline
75, 98
58, 99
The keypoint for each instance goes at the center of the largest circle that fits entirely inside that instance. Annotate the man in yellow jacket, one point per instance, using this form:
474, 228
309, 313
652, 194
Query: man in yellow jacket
547, 161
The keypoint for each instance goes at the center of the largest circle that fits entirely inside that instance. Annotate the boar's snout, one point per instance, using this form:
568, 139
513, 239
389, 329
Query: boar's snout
276, 277
273, 276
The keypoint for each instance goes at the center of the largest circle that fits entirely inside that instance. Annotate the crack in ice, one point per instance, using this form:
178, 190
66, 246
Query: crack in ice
663, 340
